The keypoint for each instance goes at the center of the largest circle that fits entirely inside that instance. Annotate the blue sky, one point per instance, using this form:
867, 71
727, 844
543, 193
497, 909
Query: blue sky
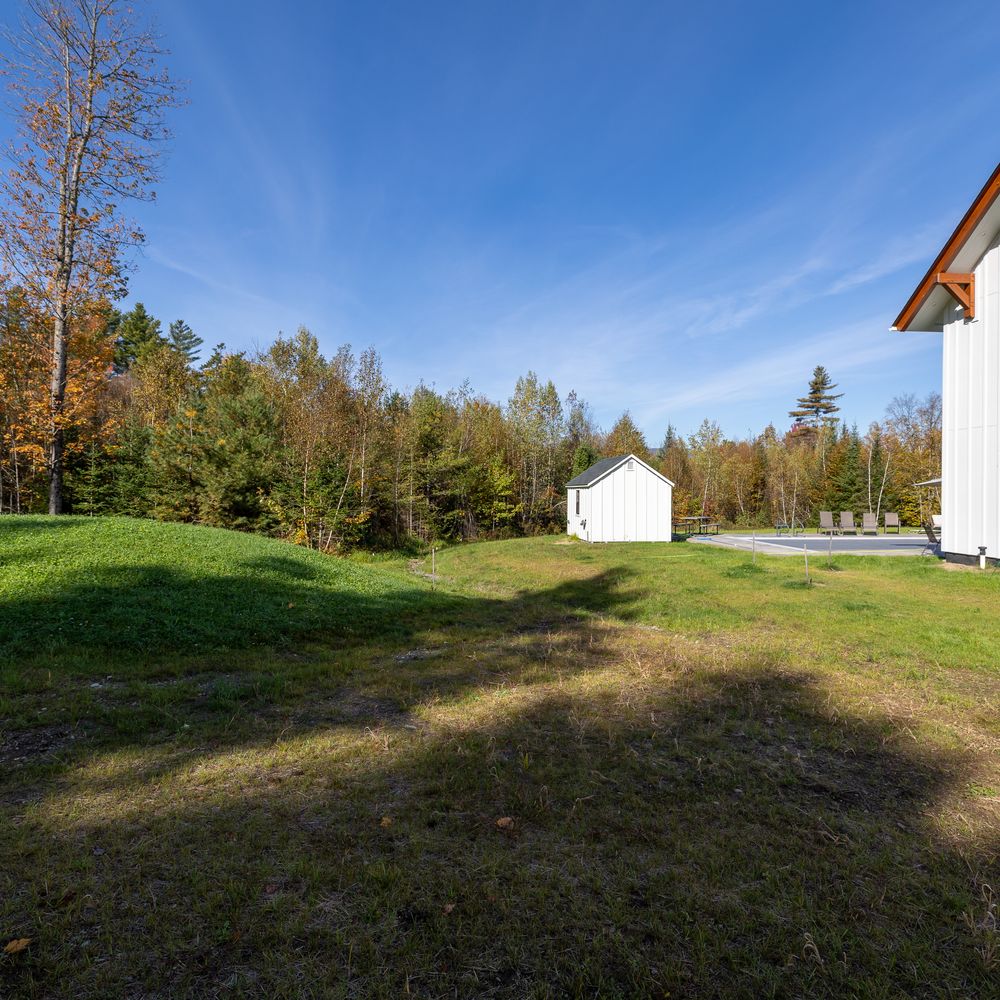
676, 209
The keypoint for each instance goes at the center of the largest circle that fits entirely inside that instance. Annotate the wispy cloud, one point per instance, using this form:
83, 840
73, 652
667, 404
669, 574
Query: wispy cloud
626, 330
209, 278
734, 310
897, 254
856, 346
287, 188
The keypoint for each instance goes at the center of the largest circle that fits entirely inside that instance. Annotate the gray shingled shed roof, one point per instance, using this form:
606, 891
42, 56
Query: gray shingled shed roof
590, 476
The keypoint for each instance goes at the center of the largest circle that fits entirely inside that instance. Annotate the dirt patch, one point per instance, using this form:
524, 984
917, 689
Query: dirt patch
30, 745
547, 627
350, 707
952, 567
415, 566
419, 654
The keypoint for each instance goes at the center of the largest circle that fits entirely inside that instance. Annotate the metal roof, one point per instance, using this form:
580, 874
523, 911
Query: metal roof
600, 469
590, 476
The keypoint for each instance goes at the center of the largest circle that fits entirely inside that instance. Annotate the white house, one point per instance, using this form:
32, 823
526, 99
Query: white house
960, 298
620, 499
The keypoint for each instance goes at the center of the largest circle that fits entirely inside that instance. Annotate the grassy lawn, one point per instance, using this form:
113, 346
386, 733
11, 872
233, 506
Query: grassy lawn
236, 768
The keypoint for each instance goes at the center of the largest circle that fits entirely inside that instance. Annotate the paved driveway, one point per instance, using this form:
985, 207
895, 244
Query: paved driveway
783, 545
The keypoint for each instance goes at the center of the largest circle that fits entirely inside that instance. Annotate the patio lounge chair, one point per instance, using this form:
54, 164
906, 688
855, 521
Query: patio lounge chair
933, 545
891, 521
847, 525
869, 524
826, 525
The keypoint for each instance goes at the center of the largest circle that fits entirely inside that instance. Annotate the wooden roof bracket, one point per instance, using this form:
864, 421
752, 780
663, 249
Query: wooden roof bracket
962, 288
946, 258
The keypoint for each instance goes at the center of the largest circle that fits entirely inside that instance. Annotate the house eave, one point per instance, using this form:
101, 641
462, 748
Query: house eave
928, 309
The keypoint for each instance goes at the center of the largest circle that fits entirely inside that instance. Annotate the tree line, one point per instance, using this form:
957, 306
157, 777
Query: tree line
106, 412
323, 451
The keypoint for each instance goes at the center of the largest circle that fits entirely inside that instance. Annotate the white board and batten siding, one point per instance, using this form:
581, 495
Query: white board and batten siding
970, 383
625, 501
970, 398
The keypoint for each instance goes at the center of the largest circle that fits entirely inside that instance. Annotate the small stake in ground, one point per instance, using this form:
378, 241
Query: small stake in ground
755, 547
829, 557
805, 550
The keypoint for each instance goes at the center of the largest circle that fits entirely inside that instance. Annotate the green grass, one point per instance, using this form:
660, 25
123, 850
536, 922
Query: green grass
237, 768
113, 585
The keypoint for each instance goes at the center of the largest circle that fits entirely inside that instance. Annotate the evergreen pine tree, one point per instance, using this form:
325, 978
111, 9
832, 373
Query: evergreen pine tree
849, 484
216, 461
88, 481
136, 331
130, 469
240, 461
215, 359
817, 407
670, 440
674, 462
583, 458
177, 463
111, 477
185, 341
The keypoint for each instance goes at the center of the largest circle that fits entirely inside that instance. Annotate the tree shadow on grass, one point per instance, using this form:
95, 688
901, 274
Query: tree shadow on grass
153, 655
157, 611
323, 823
683, 831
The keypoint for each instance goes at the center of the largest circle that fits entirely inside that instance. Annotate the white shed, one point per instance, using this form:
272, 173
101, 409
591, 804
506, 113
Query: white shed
620, 499
960, 298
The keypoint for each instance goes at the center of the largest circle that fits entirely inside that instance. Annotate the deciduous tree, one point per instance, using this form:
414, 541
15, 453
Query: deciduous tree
92, 95
625, 438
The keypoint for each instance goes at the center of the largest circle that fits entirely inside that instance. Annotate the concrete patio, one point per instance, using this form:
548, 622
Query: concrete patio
792, 545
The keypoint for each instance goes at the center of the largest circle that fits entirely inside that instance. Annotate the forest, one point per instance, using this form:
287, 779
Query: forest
108, 412
324, 452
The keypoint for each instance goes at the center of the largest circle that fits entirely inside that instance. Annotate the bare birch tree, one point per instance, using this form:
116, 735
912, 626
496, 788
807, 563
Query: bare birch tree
91, 97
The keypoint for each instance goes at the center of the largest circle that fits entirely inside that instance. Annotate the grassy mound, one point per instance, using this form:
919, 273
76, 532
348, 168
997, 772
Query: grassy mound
76, 585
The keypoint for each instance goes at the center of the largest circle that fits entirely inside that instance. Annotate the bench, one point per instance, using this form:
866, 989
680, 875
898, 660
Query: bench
792, 528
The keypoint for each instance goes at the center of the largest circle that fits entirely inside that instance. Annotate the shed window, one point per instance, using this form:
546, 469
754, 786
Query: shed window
630, 466
577, 503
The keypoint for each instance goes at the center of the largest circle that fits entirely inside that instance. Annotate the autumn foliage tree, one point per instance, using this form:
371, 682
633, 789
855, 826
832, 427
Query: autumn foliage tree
24, 415
92, 96
319, 450
625, 438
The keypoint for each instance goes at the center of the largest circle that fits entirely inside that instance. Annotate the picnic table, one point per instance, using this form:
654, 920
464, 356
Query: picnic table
697, 524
